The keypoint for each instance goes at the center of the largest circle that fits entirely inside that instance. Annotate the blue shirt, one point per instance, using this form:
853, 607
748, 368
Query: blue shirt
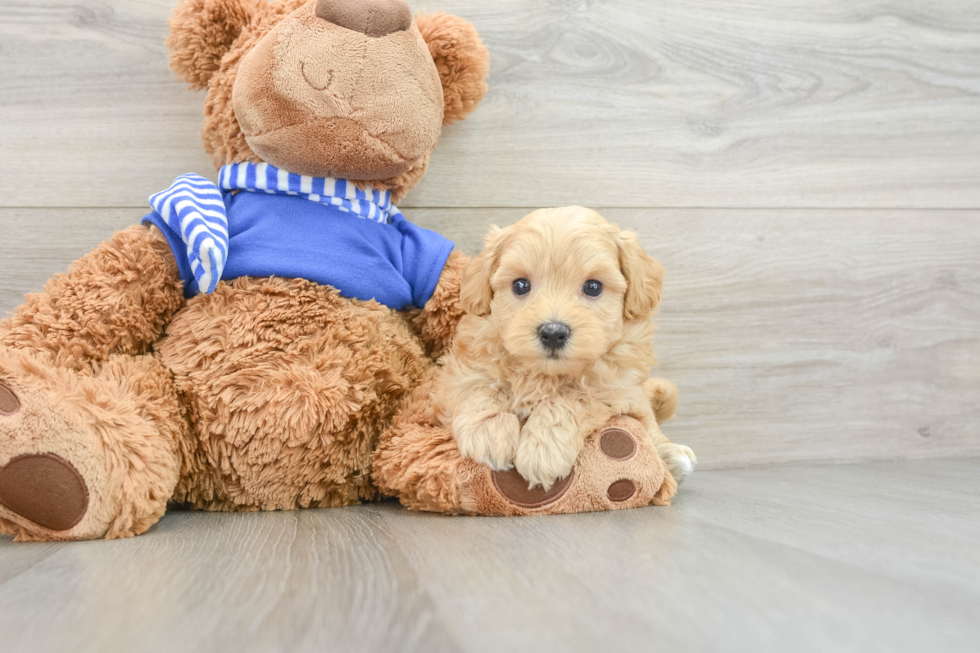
395, 263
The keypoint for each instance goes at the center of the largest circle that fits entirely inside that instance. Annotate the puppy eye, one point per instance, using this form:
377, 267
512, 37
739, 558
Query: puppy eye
592, 288
521, 286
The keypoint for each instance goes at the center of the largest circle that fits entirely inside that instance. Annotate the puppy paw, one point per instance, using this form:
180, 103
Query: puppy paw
492, 441
542, 461
680, 459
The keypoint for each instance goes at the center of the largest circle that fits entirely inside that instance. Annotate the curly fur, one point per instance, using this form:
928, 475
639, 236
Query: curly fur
510, 401
286, 383
202, 32
461, 59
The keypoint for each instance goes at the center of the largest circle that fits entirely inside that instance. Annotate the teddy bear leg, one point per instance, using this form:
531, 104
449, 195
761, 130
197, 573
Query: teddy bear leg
85, 455
418, 461
87, 420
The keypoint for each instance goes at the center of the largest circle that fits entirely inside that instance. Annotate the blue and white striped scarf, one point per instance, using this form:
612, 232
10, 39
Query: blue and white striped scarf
194, 207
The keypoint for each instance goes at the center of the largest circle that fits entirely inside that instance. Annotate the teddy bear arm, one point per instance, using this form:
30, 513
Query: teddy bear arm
436, 323
114, 300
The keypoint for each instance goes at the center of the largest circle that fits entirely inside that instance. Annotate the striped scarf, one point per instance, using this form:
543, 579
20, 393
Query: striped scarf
194, 207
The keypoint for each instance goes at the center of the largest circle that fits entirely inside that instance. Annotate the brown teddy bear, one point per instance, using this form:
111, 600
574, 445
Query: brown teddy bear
132, 380
246, 347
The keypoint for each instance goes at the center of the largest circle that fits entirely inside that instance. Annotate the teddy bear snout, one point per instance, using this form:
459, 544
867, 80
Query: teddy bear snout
374, 18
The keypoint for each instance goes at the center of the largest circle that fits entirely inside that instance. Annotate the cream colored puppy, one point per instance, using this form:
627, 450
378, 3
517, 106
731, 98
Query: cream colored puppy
557, 340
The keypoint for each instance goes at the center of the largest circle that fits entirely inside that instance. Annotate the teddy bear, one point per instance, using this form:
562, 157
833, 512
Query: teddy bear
267, 341
244, 346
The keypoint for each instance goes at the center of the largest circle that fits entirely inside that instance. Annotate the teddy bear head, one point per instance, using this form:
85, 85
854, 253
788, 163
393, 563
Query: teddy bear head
352, 89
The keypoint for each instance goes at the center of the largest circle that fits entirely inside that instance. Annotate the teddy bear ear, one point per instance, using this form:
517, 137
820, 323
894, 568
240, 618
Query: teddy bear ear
201, 32
461, 59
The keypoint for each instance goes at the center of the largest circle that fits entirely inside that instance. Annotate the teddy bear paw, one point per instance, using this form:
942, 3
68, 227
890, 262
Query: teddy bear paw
618, 467
53, 471
43, 495
42, 488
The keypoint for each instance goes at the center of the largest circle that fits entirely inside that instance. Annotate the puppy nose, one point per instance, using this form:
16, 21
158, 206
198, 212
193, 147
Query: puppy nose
371, 17
553, 335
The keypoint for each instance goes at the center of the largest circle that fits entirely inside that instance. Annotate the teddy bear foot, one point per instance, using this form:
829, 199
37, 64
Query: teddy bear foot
44, 488
617, 468
72, 464
43, 493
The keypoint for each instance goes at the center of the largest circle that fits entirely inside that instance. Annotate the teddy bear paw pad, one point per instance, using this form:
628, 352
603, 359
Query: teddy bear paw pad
45, 489
513, 487
617, 444
9, 403
621, 490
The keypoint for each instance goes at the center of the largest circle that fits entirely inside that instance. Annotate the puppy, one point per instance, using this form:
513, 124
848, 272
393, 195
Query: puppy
557, 340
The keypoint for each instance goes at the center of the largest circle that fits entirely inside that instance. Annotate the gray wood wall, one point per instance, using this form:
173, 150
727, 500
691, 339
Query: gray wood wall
808, 171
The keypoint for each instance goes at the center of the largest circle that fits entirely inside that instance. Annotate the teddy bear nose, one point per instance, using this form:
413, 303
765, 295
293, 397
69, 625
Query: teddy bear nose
374, 18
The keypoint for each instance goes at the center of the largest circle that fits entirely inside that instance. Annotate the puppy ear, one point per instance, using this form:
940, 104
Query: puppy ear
201, 32
461, 59
475, 291
644, 278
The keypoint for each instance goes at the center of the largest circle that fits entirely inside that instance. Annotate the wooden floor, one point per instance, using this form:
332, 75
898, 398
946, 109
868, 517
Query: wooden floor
863, 557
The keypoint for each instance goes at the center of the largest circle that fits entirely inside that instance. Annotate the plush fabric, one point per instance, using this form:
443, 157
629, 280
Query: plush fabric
461, 60
323, 100
208, 55
374, 18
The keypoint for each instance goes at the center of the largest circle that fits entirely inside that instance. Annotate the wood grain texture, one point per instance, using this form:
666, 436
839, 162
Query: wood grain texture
845, 103
793, 334
899, 522
866, 557
666, 580
278, 581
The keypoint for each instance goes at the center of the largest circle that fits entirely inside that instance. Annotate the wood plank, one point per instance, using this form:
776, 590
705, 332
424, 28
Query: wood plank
844, 103
318, 580
915, 520
657, 579
802, 558
819, 335
793, 334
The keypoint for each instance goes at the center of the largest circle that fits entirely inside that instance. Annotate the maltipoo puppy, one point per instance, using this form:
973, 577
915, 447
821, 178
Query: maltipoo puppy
557, 340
